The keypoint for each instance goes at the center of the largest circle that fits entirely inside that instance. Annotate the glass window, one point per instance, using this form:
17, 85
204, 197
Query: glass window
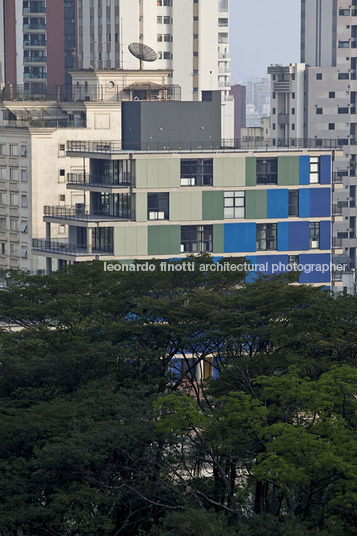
314, 170
14, 150
3, 224
294, 203
315, 235
197, 172
266, 236
234, 205
267, 170
331, 95
14, 200
13, 224
158, 206
196, 238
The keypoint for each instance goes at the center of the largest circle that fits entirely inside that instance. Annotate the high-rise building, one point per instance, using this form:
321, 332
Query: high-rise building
37, 43
238, 91
190, 37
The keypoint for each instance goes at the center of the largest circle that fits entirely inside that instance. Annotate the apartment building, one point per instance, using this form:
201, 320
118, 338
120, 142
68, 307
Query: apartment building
33, 161
191, 38
37, 43
239, 94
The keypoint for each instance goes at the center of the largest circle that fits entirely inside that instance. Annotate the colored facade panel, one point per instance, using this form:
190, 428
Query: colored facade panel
304, 171
299, 236
325, 169
283, 236
186, 205
212, 205
271, 264
164, 240
141, 206
239, 237
277, 203
158, 173
130, 241
316, 268
325, 235
251, 171
304, 203
229, 172
320, 202
218, 238
288, 170
255, 204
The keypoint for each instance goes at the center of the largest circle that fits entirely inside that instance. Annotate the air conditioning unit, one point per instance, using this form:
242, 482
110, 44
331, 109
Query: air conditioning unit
41, 272
80, 209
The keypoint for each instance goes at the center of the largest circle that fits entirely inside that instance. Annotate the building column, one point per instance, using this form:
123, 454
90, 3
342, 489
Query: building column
89, 240
48, 259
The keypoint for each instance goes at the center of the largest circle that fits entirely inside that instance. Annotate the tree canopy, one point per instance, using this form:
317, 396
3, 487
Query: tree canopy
101, 435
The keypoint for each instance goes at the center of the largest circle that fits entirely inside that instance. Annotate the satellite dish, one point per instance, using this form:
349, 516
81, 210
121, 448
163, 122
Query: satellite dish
142, 52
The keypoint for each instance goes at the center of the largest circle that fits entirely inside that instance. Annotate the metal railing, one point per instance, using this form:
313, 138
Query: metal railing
44, 123
115, 147
57, 246
125, 180
85, 214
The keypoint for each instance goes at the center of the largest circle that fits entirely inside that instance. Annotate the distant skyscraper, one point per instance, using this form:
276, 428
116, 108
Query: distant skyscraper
37, 43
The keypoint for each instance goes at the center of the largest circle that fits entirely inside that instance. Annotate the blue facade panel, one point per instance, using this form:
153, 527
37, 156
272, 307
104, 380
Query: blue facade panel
317, 268
278, 203
271, 264
239, 237
304, 172
299, 236
325, 169
283, 236
304, 203
320, 202
325, 235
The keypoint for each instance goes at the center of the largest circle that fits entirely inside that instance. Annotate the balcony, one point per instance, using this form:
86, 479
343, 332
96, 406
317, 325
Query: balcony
34, 10
59, 247
34, 43
81, 213
36, 76
34, 26
35, 59
282, 87
125, 180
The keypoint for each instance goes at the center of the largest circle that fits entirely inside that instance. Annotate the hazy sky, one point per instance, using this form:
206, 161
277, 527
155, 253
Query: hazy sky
263, 32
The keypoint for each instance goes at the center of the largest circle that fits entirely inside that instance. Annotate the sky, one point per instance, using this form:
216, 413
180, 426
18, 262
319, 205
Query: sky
263, 32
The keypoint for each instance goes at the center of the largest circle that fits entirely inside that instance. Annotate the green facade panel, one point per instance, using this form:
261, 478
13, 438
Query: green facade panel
288, 170
186, 205
131, 241
158, 173
141, 206
218, 238
229, 171
212, 205
256, 204
164, 240
251, 171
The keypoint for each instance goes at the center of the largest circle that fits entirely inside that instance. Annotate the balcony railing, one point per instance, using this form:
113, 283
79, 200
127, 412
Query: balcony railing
35, 76
81, 213
115, 147
34, 43
34, 26
33, 11
59, 247
125, 180
35, 59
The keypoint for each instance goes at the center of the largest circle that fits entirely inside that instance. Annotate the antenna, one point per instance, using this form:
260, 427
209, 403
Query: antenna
142, 52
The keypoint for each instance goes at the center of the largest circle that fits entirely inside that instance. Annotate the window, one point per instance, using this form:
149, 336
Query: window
23, 226
274, 95
331, 95
343, 44
343, 76
319, 111
314, 170
167, 20
331, 126
13, 224
197, 172
2, 198
234, 205
343, 110
267, 170
61, 229
2, 149
24, 175
344, 12
293, 95
196, 238
315, 235
167, 38
195, 19
167, 56
2, 248
274, 110
13, 250
2, 173
62, 198
14, 150
159, 20
266, 236
292, 127
3, 224
293, 111
158, 206
318, 76
195, 54
159, 38
24, 201
23, 251
294, 203
274, 126
14, 174
14, 200
23, 150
